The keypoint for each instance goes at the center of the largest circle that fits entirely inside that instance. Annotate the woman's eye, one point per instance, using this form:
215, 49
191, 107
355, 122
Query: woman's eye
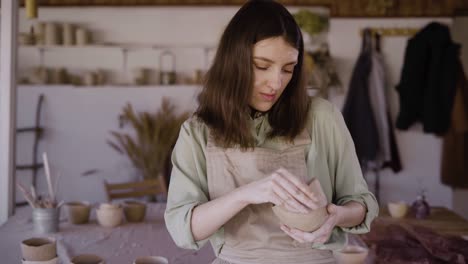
288, 70
261, 68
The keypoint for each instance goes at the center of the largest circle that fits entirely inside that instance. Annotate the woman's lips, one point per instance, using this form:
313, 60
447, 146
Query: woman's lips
268, 97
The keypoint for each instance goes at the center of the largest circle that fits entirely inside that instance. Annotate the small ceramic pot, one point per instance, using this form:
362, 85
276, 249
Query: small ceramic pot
68, 34
351, 254
109, 216
398, 209
134, 211
39, 30
78, 212
39, 249
52, 261
151, 260
87, 259
81, 36
51, 34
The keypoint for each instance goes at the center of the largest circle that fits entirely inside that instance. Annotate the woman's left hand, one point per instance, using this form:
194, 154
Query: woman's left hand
320, 235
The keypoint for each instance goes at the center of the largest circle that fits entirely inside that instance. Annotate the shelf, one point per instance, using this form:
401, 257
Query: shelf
122, 46
152, 86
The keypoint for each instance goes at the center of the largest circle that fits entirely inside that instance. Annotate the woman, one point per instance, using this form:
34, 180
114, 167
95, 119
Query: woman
255, 140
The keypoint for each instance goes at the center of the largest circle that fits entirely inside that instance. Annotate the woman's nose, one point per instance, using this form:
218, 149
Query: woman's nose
275, 80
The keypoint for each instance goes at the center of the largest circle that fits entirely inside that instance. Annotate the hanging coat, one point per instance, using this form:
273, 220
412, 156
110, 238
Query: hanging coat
428, 78
357, 110
387, 153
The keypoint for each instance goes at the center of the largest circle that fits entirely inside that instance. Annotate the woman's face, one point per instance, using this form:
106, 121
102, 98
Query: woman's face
274, 60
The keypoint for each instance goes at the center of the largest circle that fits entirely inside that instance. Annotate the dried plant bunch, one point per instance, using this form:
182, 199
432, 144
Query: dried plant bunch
153, 137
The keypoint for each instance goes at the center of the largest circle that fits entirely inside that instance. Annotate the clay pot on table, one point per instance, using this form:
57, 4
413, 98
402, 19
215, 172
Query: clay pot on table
39, 249
134, 211
78, 212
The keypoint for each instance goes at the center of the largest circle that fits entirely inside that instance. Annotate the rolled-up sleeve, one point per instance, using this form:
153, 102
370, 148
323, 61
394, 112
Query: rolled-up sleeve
188, 185
349, 181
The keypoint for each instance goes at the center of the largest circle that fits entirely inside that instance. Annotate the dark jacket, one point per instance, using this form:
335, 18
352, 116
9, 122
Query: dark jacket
357, 110
428, 79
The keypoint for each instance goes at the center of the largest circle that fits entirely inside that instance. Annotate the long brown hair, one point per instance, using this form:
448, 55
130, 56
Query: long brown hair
224, 100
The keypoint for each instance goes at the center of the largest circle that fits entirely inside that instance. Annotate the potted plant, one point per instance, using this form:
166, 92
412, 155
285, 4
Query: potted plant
154, 136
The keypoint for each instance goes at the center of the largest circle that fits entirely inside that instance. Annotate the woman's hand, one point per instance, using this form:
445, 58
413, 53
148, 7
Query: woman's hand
320, 235
280, 188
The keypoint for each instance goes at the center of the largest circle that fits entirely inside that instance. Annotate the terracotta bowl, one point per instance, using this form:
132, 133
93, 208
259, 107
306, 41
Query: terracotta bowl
87, 259
78, 212
351, 254
151, 260
109, 217
39, 249
397, 209
306, 222
134, 211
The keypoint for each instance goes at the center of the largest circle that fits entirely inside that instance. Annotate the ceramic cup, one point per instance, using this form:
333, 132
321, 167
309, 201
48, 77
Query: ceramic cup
306, 222
39, 249
397, 209
87, 259
151, 260
134, 211
109, 215
78, 212
351, 254
52, 261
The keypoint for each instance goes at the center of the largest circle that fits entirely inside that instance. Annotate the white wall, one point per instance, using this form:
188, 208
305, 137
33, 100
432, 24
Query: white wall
77, 123
78, 120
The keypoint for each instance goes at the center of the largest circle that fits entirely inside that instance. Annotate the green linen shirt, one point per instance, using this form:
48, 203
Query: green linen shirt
331, 157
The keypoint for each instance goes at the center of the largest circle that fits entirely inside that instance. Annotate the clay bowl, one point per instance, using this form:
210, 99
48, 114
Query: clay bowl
397, 209
39, 249
78, 212
306, 222
351, 254
134, 211
87, 259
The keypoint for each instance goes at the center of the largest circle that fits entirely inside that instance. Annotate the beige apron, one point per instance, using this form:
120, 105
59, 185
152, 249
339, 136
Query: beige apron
253, 236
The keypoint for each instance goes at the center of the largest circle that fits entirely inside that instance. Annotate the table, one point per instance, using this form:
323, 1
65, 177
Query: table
118, 245
398, 240
442, 220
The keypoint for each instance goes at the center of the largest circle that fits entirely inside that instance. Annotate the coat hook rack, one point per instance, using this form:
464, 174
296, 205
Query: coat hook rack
392, 31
